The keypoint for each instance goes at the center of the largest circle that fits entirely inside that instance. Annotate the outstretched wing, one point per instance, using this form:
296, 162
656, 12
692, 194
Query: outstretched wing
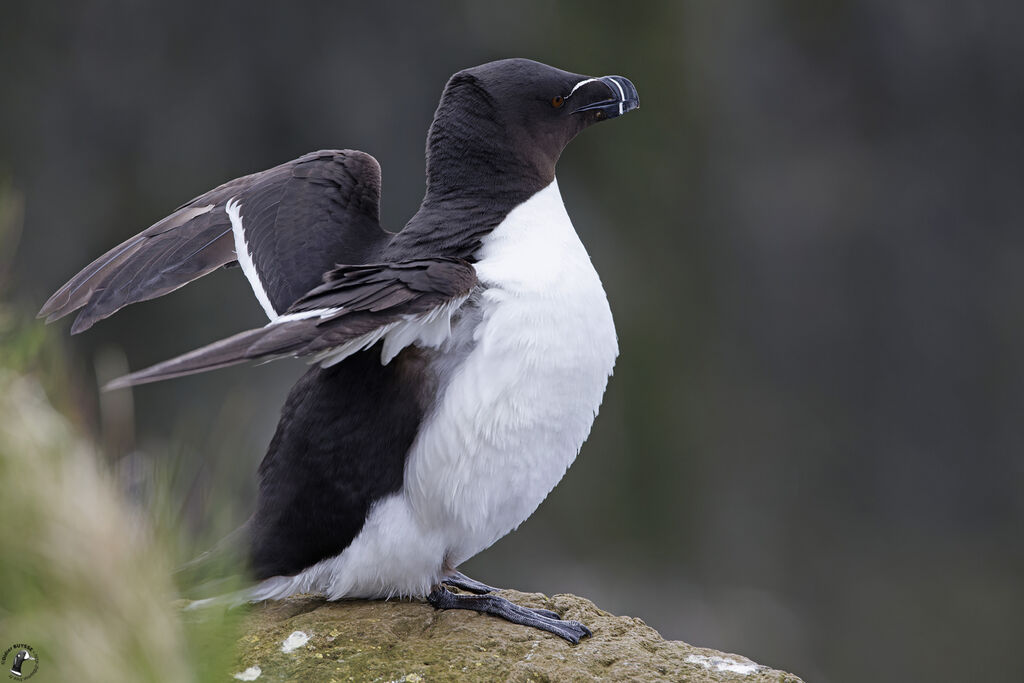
286, 227
404, 303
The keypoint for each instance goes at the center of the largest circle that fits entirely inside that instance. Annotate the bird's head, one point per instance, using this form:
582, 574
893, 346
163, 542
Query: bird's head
517, 115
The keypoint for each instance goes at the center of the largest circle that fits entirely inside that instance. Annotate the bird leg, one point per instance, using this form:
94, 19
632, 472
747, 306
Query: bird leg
546, 620
463, 582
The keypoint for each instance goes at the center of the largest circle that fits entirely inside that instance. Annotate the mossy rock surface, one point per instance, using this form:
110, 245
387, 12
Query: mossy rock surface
411, 641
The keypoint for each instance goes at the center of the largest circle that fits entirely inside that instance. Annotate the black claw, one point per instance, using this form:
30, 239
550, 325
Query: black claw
573, 631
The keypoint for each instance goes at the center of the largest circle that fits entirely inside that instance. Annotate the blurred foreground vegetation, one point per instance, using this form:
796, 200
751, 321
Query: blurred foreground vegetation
85, 581
85, 570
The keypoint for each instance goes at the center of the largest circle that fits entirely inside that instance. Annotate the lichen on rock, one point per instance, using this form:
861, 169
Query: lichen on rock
410, 641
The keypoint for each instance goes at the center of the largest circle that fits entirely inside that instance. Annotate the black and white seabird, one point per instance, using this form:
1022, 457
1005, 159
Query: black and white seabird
19, 660
459, 363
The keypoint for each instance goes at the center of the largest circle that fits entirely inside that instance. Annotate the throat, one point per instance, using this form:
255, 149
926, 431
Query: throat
481, 172
459, 210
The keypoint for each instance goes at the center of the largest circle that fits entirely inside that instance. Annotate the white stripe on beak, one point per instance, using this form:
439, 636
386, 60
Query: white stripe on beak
622, 93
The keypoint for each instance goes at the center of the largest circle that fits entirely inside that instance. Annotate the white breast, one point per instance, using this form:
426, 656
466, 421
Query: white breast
517, 409
521, 380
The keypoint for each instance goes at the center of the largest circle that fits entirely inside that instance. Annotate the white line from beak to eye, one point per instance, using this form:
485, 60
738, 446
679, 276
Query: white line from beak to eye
581, 83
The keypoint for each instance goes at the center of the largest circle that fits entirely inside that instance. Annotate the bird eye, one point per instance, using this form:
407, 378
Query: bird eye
557, 102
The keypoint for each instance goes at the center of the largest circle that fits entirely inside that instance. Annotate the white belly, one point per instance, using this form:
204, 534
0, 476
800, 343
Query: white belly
518, 408
521, 381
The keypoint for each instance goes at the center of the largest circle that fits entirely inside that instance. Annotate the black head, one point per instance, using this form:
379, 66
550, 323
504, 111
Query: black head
19, 660
514, 117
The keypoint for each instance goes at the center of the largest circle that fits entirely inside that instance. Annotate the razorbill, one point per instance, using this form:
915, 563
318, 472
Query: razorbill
459, 363
19, 660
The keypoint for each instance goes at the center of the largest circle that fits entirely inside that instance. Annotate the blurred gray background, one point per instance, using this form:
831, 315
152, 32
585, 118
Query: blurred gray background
810, 234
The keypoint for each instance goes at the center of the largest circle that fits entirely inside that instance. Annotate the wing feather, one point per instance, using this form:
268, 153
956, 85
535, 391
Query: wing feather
403, 303
301, 218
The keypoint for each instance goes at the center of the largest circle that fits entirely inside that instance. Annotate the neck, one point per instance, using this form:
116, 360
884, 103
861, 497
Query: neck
474, 175
473, 149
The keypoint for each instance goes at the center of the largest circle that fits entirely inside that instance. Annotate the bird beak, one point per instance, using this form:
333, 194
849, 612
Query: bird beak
624, 98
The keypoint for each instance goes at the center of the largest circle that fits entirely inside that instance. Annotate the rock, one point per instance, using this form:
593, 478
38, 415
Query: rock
410, 641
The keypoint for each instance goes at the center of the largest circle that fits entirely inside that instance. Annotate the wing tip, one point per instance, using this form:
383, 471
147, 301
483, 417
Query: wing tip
153, 373
82, 323
54, 309
224, 353
123, 382
150, 375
